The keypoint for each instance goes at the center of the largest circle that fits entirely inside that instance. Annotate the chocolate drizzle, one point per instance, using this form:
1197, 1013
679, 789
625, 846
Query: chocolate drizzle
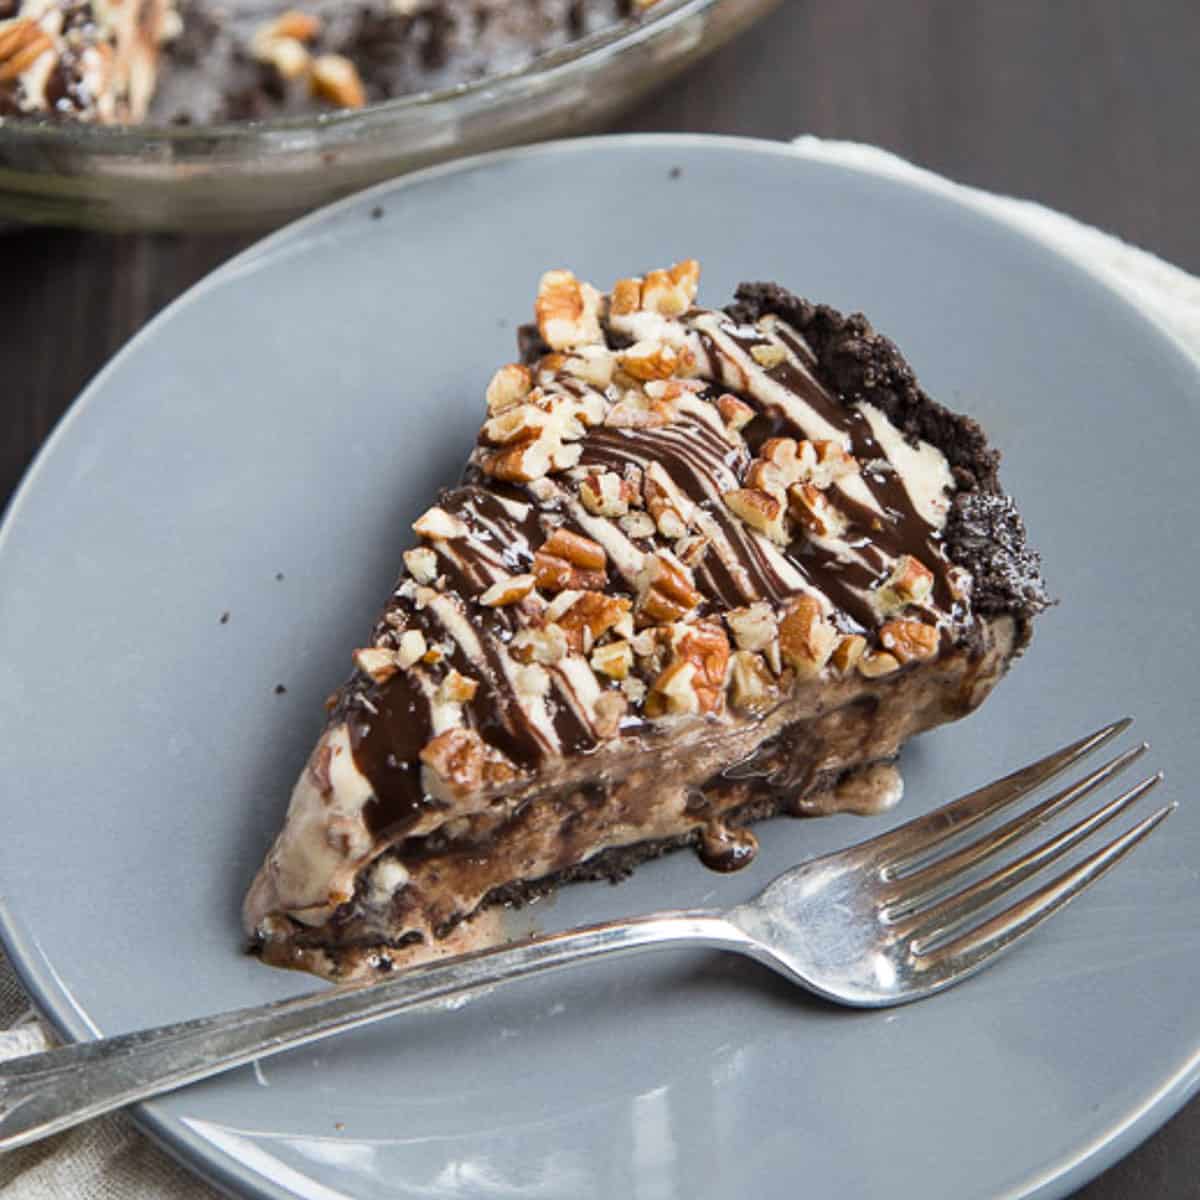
505, 524
724, 848
878, 537
386, 744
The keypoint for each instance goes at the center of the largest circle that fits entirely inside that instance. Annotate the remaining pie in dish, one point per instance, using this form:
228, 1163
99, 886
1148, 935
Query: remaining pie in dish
200, 61
704, 567
88, 60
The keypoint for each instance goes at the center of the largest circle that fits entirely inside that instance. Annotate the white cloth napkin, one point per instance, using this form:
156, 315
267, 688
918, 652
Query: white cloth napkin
108, 1159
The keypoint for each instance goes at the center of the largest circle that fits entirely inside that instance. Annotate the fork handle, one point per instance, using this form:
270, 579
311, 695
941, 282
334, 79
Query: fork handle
41, 1094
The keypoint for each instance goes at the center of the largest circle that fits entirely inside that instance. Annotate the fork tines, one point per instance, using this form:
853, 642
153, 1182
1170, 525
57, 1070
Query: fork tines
932, 902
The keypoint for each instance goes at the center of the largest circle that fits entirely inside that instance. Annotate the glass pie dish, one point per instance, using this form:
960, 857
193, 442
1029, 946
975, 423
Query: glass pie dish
258, 174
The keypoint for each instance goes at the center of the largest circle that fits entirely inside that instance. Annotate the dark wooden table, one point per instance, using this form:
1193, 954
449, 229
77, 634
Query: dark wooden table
1087, 105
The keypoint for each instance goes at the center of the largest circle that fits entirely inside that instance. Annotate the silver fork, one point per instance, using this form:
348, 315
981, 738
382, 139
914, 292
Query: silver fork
884, 922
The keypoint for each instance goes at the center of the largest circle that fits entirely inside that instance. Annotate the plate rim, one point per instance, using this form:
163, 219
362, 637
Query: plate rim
51, 997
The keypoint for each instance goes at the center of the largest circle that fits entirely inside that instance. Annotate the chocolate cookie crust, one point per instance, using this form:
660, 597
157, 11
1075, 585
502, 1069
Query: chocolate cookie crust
984, 532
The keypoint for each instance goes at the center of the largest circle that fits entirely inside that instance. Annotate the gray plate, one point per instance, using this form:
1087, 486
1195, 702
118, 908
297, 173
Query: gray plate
290, 415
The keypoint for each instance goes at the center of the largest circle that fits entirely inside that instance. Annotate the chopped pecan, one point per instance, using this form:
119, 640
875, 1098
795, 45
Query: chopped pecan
457, 688
438, 525
567, 311
810, 506
634, 413
335, 78
515, 423
569, 560
509, 386
592, 364
875, 663
606, 494
626, 297
734, 412
589, 617
521, 463
650, 643
289, 58
751, 685
909, 641
670, 293
436, 653
607, 713
22, 43
670, 509
422, 564
806, 637
665, 591
910, 582
780, 463
694, 679
511, 590
691, 549
834, 462
539, 435
412, 648
293, 24
281, 42
793, 472
847, 653
768, 355
672, 692
376, 663
546, 645
760, 510
649, 360
667, 292
753, 627
459, 761
663, 395
560, 604
614, 659
637, 525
